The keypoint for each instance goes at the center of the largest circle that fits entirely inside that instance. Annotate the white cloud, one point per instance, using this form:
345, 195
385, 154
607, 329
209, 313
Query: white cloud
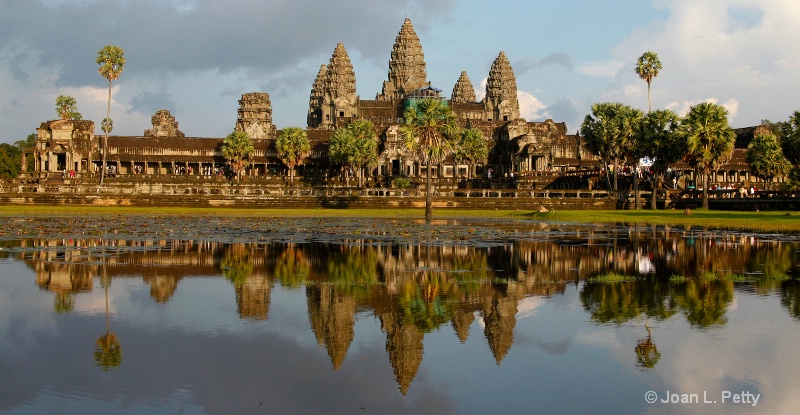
603, 69
682, 108
720, 48
530, 107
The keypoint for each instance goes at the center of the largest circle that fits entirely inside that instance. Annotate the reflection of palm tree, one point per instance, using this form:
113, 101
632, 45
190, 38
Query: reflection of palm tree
108, 351
647, 354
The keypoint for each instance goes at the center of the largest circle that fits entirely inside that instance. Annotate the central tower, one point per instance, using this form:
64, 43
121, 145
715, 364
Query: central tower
406, 66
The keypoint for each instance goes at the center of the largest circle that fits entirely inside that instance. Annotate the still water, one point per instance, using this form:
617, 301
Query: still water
558, 319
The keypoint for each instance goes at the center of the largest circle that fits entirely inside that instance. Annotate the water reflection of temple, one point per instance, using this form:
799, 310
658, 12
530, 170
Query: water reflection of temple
414, 289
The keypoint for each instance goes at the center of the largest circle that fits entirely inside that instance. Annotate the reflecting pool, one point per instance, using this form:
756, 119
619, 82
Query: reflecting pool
343, 316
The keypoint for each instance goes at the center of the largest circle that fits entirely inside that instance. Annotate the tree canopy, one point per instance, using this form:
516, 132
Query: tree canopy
67, 108
766, 159
709, 139
355, 146
471, 148
237, 148
292, 146
660, 140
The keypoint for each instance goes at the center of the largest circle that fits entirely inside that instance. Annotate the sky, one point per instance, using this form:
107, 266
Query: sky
196, 58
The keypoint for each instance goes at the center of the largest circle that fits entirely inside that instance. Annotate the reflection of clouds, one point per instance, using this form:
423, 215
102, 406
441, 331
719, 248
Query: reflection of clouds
527, 307
744, 355
606, 339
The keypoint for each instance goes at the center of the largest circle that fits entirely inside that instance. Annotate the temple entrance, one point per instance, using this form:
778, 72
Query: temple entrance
61, 161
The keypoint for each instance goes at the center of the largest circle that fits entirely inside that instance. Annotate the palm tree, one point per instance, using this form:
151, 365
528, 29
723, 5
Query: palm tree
709, 138
67, 108
112, 61
107, 125
660, 139
647, 68
237, 148
471, 148
428, 129
292, 147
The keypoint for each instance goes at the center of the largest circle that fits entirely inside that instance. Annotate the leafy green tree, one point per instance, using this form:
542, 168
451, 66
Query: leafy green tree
355, 146
429, 129
10, 159
647, 67
660, 140
789, 133
237, 148
67, 108
292, 146
112, 62
630, 120
471, 148
709, 139
766, 159
604, 131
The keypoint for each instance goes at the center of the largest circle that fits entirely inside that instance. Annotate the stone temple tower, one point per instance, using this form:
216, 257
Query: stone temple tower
463, 92
339, 99
314, 118
406, 66
255, 115
500, 102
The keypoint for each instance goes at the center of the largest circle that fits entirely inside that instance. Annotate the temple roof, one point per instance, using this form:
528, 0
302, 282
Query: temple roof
406, 65
463, 92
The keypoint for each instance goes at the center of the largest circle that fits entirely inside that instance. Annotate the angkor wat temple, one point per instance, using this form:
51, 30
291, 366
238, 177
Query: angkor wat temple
536, 153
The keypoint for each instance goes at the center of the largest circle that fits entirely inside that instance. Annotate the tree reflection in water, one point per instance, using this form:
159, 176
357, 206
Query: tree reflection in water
108, 349
416, 288
647, 354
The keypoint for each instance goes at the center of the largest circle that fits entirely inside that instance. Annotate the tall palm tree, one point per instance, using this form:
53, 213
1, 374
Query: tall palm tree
292, 147
647, 68
709, 138
429, 128
112, 61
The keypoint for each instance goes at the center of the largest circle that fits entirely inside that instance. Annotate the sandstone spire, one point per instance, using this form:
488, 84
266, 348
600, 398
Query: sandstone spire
406, 65
255, 115
314, 118
463, 91
332, 317
501, 102
339, 98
